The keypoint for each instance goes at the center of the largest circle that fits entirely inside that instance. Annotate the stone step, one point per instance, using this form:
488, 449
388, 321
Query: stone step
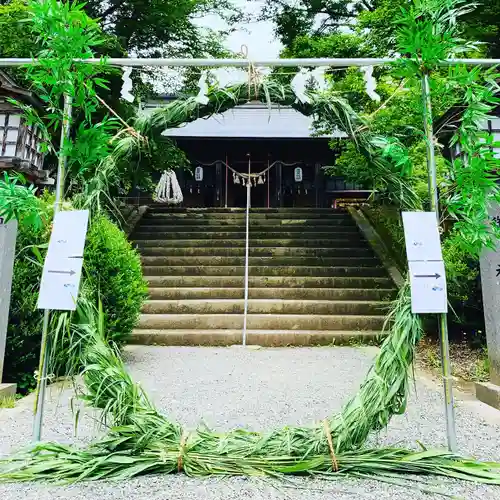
175, 293
260, 322
256, 252
294, 282
241, 216
264, 306
265, 338
272, 293
276, 261
240, 229
157, 208
272, 243
241, 222
214, 235
315, 271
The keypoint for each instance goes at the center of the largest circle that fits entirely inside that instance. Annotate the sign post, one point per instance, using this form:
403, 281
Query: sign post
61, 275
434, 205
428, 292
8, 232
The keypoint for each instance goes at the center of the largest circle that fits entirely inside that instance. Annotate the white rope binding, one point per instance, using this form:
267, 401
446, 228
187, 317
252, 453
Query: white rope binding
168, 189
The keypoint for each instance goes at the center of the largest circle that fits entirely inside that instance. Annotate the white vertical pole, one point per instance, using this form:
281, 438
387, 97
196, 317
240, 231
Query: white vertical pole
443, 320
227, 175
247, 251
45, 347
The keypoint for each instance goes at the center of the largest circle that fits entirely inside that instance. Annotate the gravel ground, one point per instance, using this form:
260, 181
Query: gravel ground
258, 389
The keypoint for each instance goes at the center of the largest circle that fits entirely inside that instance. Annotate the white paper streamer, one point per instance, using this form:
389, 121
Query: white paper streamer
318, 75
315, 78
126, 92
370, 82
202, 98
299, 84
168, 189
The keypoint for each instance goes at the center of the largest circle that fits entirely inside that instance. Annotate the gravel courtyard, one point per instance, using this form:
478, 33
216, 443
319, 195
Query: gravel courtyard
234, 387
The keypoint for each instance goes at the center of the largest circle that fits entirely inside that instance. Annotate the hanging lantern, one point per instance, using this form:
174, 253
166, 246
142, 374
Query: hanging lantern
298, 175
236, 179
198, 174
260, 180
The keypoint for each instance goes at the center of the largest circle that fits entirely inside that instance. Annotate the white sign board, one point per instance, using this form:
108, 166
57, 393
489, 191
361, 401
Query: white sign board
425, 262
298, 174
63, 265
422, 236
198, 174
428, 287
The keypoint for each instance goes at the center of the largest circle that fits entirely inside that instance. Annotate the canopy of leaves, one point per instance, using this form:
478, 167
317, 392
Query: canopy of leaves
312, 17
166, 26
140, 26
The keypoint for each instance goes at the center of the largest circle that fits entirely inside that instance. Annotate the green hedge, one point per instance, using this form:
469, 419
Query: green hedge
113, 268
111, 265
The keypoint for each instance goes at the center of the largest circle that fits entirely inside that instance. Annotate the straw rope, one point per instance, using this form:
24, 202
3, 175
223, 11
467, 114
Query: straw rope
328, 432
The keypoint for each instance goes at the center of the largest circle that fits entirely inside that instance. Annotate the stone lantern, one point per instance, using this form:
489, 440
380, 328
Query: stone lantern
20, 144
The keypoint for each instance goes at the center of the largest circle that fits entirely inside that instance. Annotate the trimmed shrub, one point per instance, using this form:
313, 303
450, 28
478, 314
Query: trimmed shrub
113, 268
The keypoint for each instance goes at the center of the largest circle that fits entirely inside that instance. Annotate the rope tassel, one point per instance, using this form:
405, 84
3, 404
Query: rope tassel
168, 189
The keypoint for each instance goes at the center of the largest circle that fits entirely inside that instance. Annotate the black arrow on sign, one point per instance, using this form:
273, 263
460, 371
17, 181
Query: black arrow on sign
63, 272
436, 275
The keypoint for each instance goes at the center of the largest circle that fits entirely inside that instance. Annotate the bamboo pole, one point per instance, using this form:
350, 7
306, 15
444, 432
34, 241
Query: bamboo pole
443, 320
45, 346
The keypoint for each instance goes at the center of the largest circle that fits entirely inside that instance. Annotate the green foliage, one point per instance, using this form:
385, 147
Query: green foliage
472, 185
483, 24
314, 18
113, 270
462, 270
64, 33
14, 41
345, 45
19, 201
7, 401
428, 34
163, 27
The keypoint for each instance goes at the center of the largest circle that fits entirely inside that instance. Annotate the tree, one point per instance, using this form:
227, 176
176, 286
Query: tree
313, 17
166, 27
484, 25
149, 28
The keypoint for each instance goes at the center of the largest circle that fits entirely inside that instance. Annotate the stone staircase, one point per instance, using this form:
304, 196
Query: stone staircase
312, 278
